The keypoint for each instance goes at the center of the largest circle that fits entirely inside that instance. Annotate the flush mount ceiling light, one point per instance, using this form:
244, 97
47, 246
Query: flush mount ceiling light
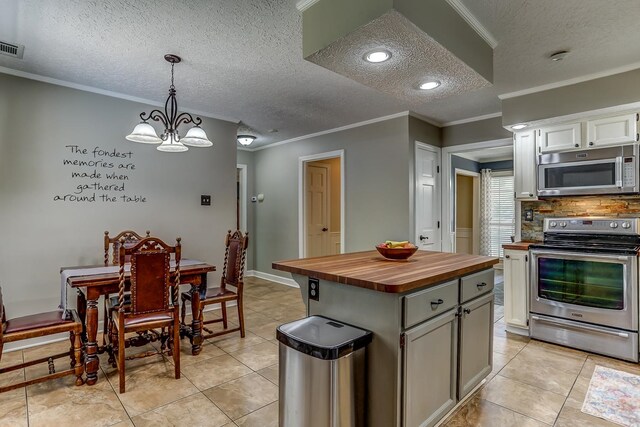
246, 139
519, 126
170, 141
429, 85
559, 56
378, 55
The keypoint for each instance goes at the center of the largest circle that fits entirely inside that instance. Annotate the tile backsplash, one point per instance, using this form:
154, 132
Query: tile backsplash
613, 206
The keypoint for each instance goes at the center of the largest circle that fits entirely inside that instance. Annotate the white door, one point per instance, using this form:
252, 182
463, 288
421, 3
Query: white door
317, 210
427, 199
516, 288
559, 138
612, 130
524, 162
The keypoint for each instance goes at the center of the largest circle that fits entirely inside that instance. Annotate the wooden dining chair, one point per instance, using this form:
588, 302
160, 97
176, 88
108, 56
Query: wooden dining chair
38, 325
111, 253
154, 299
232, 275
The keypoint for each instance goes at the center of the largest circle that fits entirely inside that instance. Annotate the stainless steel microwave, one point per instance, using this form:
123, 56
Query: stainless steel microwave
612, 170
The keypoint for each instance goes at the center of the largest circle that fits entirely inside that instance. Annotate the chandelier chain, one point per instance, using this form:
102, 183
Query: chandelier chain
172, 86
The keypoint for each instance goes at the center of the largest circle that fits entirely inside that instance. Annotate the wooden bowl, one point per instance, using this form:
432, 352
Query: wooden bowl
396, 253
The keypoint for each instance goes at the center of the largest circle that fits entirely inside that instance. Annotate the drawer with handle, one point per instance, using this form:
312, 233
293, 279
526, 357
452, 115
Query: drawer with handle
476, 284
431, 302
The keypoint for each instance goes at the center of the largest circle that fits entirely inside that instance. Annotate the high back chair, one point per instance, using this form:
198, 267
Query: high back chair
111, 253
38, 325
232, 275
154, 299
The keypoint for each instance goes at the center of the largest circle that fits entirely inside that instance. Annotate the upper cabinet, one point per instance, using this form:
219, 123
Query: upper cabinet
524, 165
612, 130
594, 133
559, 138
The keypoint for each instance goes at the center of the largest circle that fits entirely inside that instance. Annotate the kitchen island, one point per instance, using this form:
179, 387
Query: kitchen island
432, 320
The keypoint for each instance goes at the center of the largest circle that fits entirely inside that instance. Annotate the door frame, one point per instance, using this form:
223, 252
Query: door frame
448, 233
438, 151
475, 219
243, 196
302, 238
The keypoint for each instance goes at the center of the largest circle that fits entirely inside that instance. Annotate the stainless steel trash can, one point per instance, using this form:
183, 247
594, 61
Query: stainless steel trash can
322, 373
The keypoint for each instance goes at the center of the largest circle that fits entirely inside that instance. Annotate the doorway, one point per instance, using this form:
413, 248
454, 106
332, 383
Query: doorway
467, 193
321, 208
428, 234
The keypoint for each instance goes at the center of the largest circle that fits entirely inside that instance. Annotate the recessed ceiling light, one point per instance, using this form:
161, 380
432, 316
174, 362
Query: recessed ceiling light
559, 56
518, 127
378, 55
430, 85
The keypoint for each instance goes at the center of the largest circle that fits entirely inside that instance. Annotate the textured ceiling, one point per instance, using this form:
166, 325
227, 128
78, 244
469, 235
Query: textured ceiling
416, 58
243, 58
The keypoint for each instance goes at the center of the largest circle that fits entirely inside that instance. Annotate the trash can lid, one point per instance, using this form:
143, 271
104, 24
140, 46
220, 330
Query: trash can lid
323, 338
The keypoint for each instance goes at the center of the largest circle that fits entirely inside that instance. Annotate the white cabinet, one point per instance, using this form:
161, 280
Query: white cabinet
559, 138
516, 288
524, 165
476, 343
612, 130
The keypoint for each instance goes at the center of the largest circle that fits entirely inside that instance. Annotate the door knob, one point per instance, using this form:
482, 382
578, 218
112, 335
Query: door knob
325, 229
423, 237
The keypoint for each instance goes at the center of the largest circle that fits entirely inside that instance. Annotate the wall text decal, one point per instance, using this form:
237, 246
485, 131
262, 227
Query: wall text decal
100, 175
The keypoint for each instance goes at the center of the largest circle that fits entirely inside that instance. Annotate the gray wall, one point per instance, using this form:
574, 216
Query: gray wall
246, 158
37, 121
481, 130
500, 165
619, 89
376, 193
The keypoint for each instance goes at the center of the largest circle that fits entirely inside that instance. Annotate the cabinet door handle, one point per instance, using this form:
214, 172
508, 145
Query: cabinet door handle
507, 256
481, 285
467, 311
591, 143
435, 304
576, 145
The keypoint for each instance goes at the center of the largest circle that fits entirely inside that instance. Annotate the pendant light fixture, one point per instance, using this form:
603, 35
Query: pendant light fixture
170, 140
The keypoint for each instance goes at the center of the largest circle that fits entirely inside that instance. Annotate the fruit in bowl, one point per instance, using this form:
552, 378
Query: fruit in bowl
396, 250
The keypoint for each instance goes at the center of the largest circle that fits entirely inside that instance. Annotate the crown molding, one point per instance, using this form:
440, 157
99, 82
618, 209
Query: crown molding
570, 82
84, 88
425, 119
473, 119
473, 22
303, 5
338, 129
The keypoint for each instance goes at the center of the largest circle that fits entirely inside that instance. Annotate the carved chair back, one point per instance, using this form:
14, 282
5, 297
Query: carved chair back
150, 275
234, 259
130, 239
4, 321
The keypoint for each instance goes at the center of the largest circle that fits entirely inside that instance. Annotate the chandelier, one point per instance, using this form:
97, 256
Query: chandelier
170, 140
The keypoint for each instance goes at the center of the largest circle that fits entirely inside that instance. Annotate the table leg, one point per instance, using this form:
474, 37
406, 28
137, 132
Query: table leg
196, 321
81, 303
92, 363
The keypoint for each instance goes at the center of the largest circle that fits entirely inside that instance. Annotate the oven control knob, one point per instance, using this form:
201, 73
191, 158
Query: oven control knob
553, 224
626, 225
613, 225
563, 224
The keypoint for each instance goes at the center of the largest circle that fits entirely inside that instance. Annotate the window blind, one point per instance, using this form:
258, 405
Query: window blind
503, 219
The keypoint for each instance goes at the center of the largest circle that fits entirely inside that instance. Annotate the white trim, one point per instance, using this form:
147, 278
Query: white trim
112, 94
243, 196
272, 277
473, 22
447, 176
301, 161
303, 5
569, 82
425, 119
473, 119
338, 129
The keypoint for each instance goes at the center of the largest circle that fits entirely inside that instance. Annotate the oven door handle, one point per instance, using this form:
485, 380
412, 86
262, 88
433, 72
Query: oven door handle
619, 172
581, 327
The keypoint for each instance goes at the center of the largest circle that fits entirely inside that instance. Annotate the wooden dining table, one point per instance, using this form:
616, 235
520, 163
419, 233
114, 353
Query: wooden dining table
91, 286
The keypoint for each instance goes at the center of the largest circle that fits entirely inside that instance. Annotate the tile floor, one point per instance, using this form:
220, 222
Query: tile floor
234, 382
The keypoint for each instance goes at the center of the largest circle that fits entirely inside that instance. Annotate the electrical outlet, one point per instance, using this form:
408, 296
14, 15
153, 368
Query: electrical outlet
205, 200
314, 289
528, 215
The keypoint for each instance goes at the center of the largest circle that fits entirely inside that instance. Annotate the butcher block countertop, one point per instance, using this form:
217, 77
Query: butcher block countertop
371, 270
519, 246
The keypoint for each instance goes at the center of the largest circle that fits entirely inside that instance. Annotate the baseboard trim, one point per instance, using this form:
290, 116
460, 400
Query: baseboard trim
272, 277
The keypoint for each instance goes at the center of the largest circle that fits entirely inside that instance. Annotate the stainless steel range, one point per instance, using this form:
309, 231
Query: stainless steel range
584, 287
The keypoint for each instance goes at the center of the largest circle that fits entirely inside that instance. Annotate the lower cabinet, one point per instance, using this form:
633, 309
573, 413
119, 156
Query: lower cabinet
429, 374
516, 288
476, 343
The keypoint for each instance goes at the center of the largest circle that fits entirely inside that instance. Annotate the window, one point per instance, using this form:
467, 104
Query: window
502, 224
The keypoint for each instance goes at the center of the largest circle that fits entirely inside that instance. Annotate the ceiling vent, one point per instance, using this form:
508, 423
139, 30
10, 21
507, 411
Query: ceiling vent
10, 49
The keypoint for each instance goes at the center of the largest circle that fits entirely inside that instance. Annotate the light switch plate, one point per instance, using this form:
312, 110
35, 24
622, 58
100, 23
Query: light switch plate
205, 200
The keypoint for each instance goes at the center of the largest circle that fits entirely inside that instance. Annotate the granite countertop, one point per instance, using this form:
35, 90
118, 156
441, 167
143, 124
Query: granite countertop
371, 270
